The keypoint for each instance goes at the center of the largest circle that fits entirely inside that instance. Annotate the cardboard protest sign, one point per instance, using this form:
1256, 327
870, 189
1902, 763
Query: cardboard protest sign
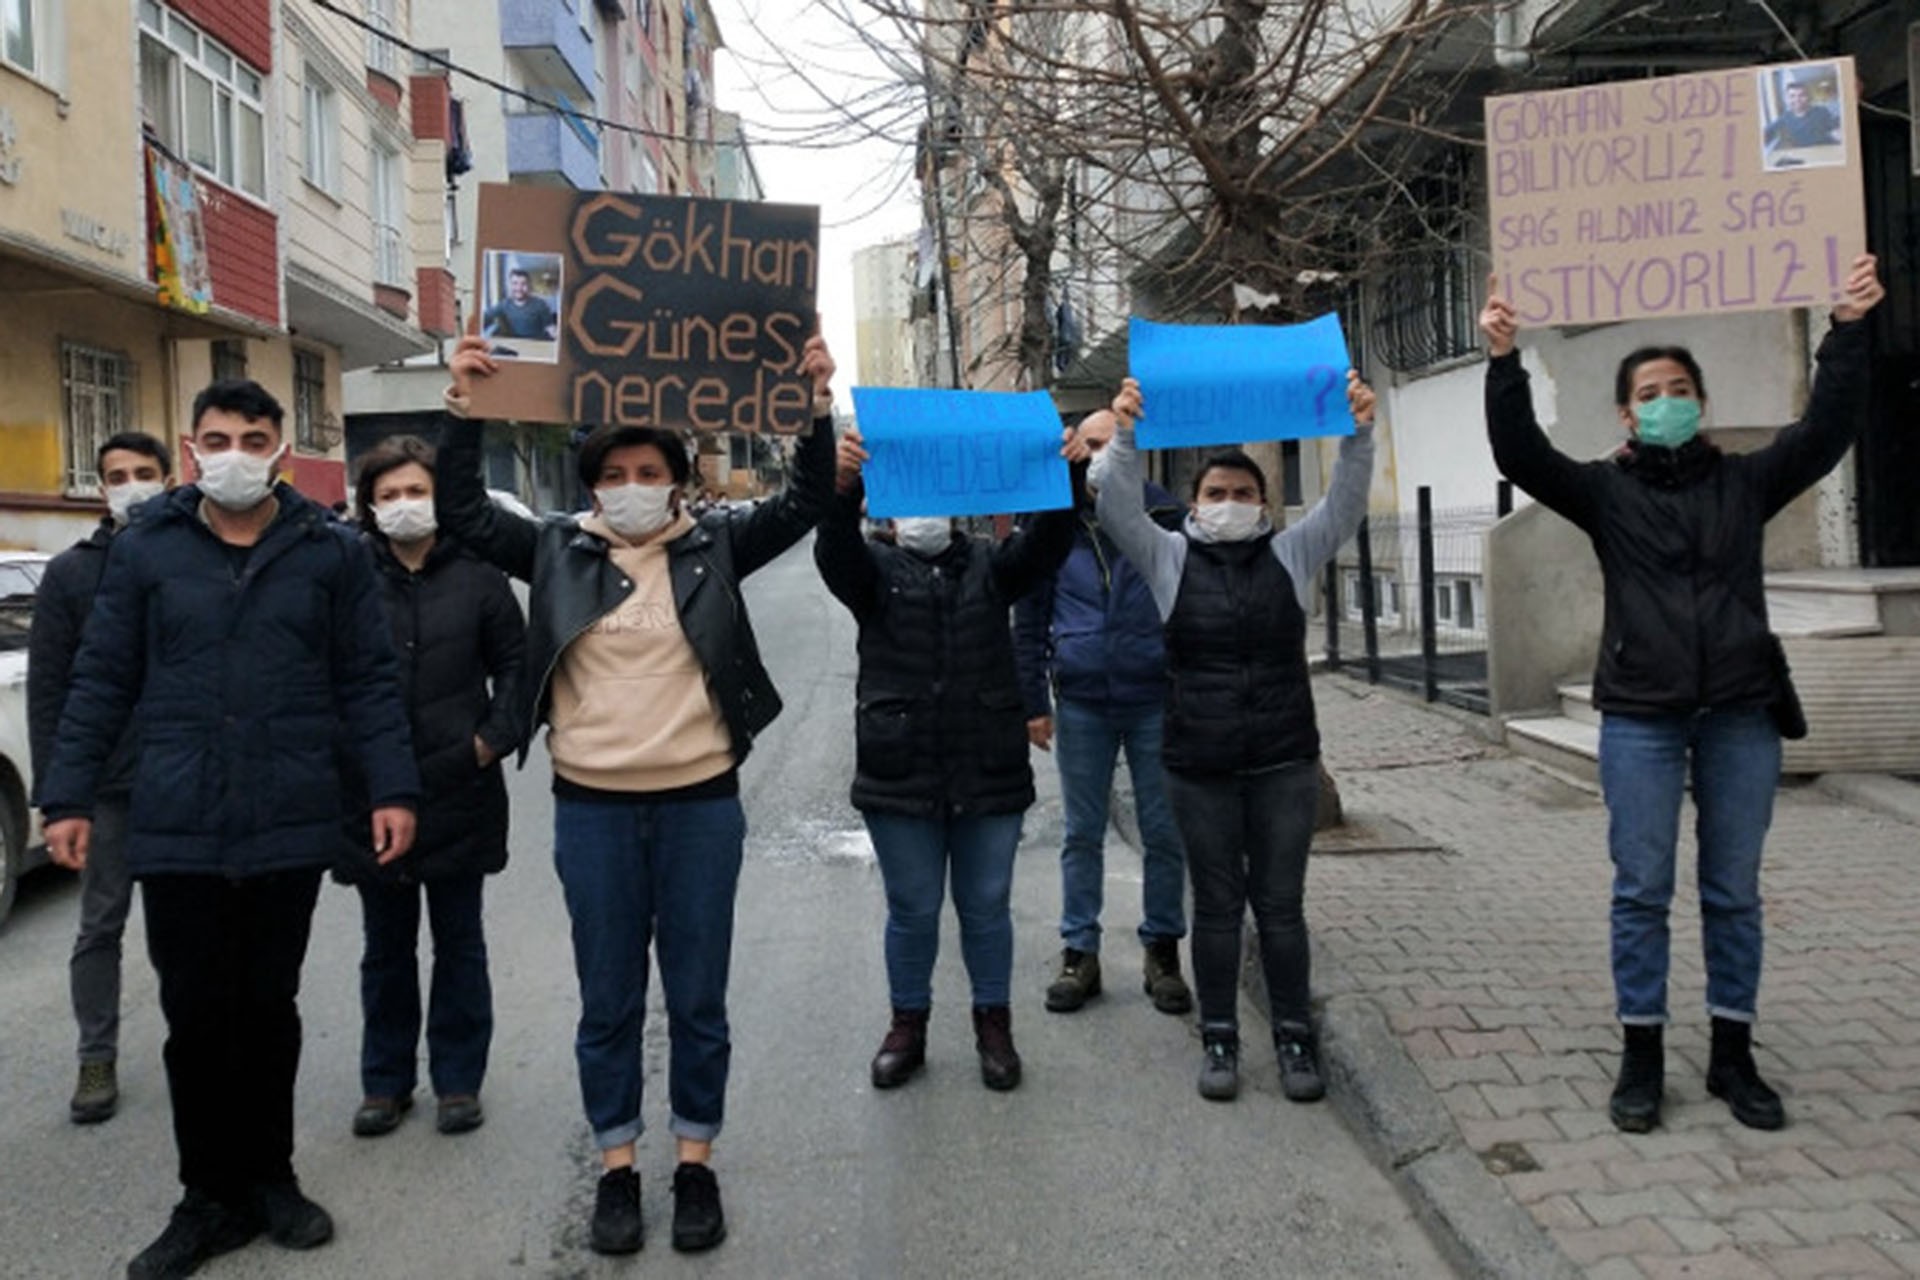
646, 311
1735, 190
1229, 384
960, 453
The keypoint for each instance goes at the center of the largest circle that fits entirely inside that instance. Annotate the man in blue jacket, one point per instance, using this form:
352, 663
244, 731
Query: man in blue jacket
238, 631
1091, 639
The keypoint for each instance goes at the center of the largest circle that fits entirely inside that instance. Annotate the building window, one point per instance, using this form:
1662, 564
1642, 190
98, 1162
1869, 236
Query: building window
1463, 605
201, 102
229, 360
389, 212
1425, 308
383, 55
320, 132
21, 22
309, 401
97, 394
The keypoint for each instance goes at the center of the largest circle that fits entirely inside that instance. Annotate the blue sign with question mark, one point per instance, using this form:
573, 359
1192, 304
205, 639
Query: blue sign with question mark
1230, 384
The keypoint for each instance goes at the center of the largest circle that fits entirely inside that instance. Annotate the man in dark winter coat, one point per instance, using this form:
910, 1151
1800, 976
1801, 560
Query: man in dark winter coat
133, 467
1090, 638
238, 630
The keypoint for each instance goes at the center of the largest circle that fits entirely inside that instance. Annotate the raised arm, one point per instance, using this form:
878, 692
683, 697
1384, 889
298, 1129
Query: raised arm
1160, 555
1521, 449
1306, 547
1796, 458
460, 501
1029, 559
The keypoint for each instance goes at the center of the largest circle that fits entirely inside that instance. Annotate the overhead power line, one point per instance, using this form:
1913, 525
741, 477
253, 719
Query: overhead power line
545, 104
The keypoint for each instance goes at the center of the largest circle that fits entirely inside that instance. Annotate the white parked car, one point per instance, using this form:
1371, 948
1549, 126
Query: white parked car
21, 845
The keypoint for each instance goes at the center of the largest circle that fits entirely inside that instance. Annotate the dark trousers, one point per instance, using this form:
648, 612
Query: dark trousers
228, 953
459, 1014
106, 896
1247, 837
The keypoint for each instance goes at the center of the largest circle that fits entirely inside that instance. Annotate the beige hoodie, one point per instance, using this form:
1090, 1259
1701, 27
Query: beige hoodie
631, 709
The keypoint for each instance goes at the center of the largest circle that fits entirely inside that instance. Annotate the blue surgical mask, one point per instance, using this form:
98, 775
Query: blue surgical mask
1668, 422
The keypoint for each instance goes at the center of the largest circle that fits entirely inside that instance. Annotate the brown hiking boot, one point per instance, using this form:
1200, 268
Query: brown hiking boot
903, 1052
993, 1037
1163, 981
1077, 982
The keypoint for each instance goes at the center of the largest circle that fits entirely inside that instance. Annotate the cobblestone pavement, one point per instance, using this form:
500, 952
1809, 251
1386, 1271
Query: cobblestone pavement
1490, 961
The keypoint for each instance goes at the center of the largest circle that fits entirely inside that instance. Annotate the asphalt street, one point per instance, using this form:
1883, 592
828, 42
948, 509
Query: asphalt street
1104, 1162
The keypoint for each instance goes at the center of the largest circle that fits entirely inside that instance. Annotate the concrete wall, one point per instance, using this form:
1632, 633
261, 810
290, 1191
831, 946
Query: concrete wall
1544, 602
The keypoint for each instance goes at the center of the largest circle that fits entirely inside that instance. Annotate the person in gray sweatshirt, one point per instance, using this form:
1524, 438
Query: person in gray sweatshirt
1242, 749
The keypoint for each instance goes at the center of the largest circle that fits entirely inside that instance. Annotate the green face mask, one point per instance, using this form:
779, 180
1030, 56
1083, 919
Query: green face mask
1669, 422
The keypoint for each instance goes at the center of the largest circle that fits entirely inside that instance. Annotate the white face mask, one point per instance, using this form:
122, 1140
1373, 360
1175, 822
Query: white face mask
123, 498
406, 519
1097, 468
636, 510
235, 480
923, 535
1229, 521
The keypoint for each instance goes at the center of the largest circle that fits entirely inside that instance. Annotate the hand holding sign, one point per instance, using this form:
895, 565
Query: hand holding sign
1497, 321
1864, 289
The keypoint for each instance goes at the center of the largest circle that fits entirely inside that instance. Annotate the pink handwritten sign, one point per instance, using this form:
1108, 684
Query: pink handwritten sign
1734, 190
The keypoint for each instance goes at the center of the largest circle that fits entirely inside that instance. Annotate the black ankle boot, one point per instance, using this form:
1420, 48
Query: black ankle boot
903, 1052
1635, 1105
1732, 1075
993, 1037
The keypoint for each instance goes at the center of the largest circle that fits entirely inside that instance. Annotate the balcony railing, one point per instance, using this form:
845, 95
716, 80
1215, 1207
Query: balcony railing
552, 147
546, 36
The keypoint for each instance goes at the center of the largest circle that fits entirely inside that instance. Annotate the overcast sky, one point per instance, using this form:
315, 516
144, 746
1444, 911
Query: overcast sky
864, 188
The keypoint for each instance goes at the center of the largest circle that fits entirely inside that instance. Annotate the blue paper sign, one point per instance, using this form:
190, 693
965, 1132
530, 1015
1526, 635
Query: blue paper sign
1228, 384
960, 453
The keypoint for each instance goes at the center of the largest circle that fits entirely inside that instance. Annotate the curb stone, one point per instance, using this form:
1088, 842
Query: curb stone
1882, 793
1382, 1095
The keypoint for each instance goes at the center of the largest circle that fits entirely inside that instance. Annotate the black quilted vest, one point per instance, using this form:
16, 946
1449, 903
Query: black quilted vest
1238, 696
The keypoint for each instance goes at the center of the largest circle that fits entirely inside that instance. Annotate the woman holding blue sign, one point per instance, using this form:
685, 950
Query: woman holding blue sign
941, 773
1242, 749
1691, 680
648, 675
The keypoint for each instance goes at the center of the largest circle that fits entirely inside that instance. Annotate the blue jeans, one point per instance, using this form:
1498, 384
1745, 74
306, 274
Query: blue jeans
1644, 761
916, 856
460, 999
634, 873
1089, 739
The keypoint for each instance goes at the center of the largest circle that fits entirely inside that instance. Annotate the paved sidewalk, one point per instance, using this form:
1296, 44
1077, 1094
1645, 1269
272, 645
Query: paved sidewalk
1489, 959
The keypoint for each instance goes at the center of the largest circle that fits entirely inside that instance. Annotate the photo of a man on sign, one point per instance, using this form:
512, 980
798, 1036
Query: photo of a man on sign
1803, 125
520, 305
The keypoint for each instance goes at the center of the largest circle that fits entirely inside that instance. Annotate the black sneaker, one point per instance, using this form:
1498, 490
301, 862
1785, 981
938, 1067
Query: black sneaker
292, 1220
200, 1228
698, 1222
616, 1213
1077, 982
1299, 1053
1220, 1069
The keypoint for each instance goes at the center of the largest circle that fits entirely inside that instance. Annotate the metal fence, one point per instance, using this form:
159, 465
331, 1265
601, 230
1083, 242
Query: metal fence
1405, 601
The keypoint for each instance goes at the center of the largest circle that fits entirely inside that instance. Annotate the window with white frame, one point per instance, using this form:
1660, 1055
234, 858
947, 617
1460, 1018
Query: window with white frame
320, 131
309, 400
98, 401
200, 101
383, 55
388, 207
23, 24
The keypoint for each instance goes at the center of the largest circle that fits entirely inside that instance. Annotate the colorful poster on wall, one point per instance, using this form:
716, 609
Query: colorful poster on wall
180, 264
1724, 191
646, 311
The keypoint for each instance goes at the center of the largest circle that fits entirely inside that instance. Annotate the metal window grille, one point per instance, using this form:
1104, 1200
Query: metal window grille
309, 400
99, 395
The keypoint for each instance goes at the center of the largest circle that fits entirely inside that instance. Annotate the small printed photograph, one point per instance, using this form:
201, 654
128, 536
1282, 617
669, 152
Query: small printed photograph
520, 304
1803, 121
